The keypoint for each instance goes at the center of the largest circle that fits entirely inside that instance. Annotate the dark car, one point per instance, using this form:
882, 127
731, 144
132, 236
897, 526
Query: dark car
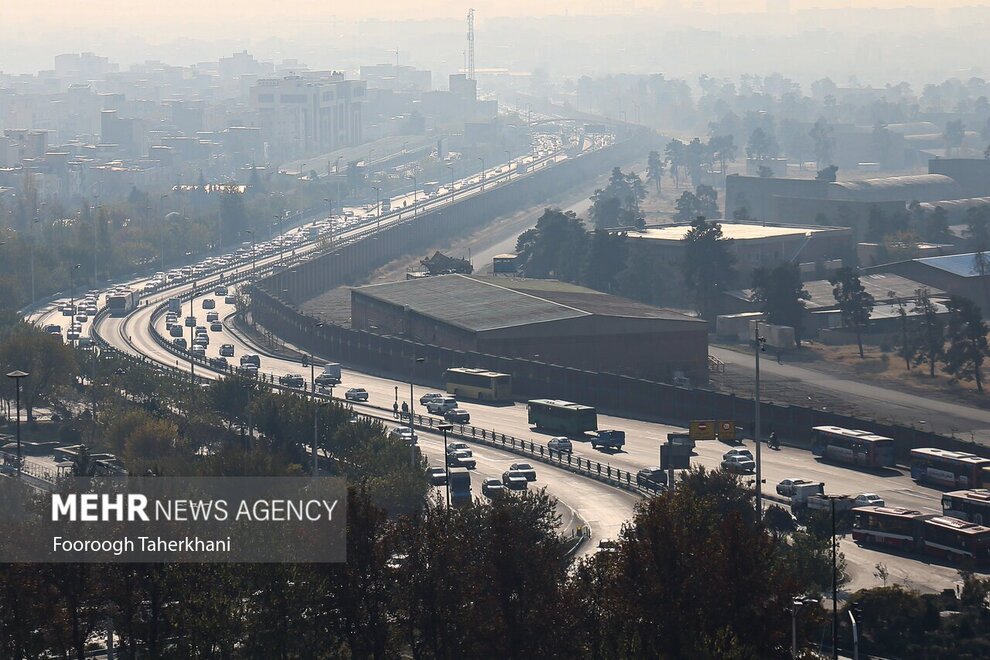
492, 487
653, 478
292, 380
524, 469
457, 416
356, 394
514, 480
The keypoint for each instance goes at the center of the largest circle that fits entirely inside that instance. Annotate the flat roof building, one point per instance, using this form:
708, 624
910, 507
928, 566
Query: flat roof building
543, 320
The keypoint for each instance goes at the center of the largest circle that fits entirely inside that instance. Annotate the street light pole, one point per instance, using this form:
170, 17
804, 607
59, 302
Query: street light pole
835, 590
329, 202
72, 296
415, 187
36, 221
451, 168
161, 207
445, 428
760, 341
482, 173
378, 206
412, 428
17, 376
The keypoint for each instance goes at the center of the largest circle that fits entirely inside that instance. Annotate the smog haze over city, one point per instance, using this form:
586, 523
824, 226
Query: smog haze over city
618, 329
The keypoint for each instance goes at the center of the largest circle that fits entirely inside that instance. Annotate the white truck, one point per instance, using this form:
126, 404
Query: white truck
819, 502
330, 375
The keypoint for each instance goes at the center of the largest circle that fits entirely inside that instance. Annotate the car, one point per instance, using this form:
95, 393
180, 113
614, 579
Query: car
230, 300
431, 396
457, 416
218, 362
212, 316
175, 331
72, 334
220, 291
404, 433
68, 310
209, 303
82, 318
492, 488
292, 380
451, 446
739, 465
190, 322
216, 326
249, 370
442, 406
869, 499
514, 480
608, 545
200, 330
249, 358
437, 476
171, 317
652, 478
356, 394
198, 350
461, 458
524, 469
787, 486
227, 350
180, 342
738, 451
53, 329
560, 445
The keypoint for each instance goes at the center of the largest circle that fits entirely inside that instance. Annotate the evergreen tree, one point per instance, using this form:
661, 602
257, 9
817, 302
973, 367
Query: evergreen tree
855, 304
654, 169
967, 338
708, 264
780, 292
929, 344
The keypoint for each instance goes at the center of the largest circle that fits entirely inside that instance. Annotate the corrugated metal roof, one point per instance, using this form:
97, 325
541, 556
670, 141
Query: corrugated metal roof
479, 304
882, 286
963, 265
921, 187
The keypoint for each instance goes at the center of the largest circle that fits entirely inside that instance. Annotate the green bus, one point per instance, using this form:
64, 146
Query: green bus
478, 384
562, 416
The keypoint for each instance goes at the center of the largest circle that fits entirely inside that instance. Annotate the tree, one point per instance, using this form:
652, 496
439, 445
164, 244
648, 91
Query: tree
606, 258
50, 363
855, 304
764, 172
930, 343
654, 169
761, 146
644, 277
555, 247
674, 152
724, 148
617, 205
955, 131
883, 144
780, 292
824, 138
703, 201
827, 173
440, 264
967, 340
708, 264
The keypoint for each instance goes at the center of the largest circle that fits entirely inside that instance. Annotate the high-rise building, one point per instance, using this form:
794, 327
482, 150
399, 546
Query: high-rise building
306, 115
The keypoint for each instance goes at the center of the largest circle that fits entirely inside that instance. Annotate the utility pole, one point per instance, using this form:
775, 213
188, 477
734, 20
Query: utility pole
470, 44
759, 347
446, 427
412, 427
17, 376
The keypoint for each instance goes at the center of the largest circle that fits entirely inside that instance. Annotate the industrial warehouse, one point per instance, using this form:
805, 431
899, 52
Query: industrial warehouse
542, 320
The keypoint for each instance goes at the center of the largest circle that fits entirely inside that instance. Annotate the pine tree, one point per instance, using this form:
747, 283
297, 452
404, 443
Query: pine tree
967, 337
855, 304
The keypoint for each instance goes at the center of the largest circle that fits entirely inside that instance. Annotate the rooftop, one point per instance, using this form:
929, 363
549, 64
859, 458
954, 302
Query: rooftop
738, 231
963, 265
882, 286
489, 303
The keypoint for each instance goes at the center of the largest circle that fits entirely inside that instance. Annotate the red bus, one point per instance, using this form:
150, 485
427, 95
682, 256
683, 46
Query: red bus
859, 448
893, 526
941, 467
972, 505
956, 540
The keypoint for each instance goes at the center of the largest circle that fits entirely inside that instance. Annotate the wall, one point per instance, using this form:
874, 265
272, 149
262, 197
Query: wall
756, 194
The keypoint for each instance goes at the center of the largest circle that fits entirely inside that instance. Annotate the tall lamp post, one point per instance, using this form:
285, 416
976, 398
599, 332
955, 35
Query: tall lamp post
796, 605
329, 202
72, 295
412, 429
451, 168
316, 433
17, 376
415, 187
33, 223
378, 206
482, 173
254, 255
161, 208
835, 584
281, 243
758, 348
446, 427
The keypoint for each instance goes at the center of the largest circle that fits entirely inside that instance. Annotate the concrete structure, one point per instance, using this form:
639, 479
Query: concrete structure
542, 320
312, 114
755, 245
396, 78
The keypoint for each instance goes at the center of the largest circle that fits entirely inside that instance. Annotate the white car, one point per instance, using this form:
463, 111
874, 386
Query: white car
869, 499
741, 452
787, 486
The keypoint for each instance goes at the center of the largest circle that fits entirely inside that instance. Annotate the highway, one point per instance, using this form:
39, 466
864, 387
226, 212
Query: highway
604, 508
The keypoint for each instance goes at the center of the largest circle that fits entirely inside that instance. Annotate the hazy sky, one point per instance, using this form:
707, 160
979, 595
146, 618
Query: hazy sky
59, 14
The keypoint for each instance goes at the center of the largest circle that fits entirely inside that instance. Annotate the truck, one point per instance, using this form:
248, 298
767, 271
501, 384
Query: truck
330, 375
608, 438
460, 486
175, 305
800, 493
820, 502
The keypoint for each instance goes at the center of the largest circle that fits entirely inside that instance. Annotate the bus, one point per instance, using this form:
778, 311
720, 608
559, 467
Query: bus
892, 526
478, 384
122, 302
956, 540
459, 480
941, 467
504, 263
562, 416
860, 448
971, 505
